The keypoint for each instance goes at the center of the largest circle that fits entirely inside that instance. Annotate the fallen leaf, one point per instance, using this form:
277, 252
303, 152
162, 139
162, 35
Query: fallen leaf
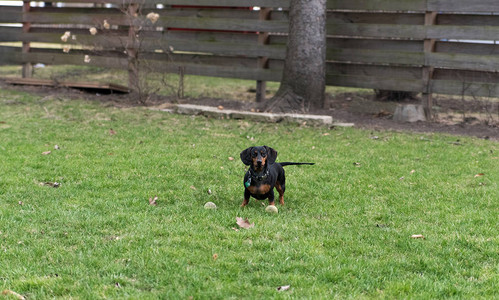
244, 223
112, 132
152, 201
417, 236
235, 229
283, 288
51, 184
412, 171
215, 256
56, 147
326, 134
21, 203
14, 294
479, 174
231, 158
46, 152
193, 187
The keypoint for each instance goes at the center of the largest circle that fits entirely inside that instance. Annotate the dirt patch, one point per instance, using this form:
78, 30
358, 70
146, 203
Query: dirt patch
467, 117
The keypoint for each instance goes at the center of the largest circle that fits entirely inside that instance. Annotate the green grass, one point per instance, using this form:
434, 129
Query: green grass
345, 231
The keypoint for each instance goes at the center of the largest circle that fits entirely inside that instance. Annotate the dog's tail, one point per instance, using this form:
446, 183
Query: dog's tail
294, 163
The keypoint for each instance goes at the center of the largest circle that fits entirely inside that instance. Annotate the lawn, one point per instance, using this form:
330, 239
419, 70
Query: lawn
345, 231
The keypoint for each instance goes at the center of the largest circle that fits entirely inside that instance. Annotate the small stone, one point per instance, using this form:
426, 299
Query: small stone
210, 205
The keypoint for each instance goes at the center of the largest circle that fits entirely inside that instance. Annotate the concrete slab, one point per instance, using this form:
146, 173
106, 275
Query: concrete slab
214, 112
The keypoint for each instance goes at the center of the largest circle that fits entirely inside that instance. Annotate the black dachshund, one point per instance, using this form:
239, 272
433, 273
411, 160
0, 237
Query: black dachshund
264, 174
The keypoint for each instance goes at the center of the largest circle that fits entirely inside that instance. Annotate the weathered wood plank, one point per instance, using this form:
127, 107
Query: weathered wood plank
11, 14
394, 31
10, 34
225, 3
466, 76
378, 5
345, 69
489, 63
393, 84
151, 44
453, 87
463, 19
376, 56
10, 55
375, 18
376, 44
463, 6
414, 31
170, 22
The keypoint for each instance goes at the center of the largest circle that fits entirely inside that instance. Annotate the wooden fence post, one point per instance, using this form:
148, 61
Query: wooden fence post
131, 49
27, 67
262, 62
429, 47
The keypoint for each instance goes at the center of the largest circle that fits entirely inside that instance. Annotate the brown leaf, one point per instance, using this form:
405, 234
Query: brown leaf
220, 107
46, 152
193, 188
283, 288
417, 236
14, 294
244, 223
152, 201
479, 174
51, 184
112, 132
215, 257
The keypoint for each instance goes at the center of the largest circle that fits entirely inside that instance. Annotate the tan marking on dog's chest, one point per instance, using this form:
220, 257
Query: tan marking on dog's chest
260, 189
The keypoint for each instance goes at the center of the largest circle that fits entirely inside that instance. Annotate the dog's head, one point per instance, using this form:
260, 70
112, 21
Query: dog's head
258, 157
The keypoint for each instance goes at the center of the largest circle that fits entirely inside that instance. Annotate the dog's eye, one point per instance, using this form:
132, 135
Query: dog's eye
264, 154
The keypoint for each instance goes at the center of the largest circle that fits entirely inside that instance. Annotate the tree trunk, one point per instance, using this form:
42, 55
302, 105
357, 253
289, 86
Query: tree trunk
304, 76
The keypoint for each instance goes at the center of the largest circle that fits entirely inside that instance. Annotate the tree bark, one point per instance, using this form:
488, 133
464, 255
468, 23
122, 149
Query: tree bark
304, 76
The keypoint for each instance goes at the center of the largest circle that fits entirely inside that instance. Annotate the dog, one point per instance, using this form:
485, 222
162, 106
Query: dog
264, 174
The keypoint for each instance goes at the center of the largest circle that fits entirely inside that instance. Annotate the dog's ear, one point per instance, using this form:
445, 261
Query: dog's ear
271, 155
246, 156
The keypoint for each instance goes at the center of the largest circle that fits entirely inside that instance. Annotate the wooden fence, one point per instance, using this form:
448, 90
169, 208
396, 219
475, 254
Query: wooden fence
427, 46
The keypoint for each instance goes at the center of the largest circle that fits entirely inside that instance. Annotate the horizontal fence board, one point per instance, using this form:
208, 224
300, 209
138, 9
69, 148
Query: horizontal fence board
390, 31
10, 56
162, 44
465, 76
227, 24
377, 31
371, 82
375, 44
467, 48
367, 56
414, 73
375, 18
377, 5
415, 5
10, 14
10, 34
469, 19
485, 6
224, 3
438, 60
476, 89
